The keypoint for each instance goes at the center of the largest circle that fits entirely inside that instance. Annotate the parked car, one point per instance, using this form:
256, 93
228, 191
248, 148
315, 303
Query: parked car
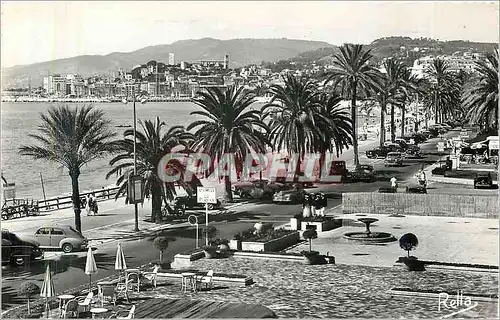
61, 236
191, 201
381, 152
416, 188
290, 196
483, 180
19, 251
266, 188
363, 172
293, 180
442, 167
393, 159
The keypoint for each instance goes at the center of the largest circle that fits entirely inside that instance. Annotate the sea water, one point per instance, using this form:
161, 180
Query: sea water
21, 119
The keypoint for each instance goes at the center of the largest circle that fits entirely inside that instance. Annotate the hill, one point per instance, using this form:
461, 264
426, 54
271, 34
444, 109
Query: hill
404, 48
241, 52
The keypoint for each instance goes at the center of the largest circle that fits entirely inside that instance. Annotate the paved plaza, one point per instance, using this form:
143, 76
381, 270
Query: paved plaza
295, 290
446, 239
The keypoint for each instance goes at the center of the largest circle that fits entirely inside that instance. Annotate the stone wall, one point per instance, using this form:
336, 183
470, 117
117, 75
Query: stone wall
421, 204
273, 245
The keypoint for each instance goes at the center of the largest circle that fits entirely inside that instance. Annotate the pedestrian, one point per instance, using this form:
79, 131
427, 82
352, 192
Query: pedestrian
306, 206
318, 205
324, 204
95, 208
312, 202
88, 204
394, 184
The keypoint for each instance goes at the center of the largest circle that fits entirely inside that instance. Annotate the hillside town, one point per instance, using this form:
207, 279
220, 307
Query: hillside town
173, 81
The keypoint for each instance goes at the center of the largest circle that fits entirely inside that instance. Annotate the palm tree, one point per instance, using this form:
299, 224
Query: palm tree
353, 73
335, 124
72, 137
230, 127
480, 97
411, 88
388, 88
153, 143
440, 97
292, 114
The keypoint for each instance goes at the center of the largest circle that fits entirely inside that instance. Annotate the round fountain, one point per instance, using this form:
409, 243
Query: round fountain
368, 236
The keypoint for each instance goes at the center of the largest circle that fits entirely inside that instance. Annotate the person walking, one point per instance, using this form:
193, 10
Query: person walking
88, 204
95, 208
318, 204
394, 184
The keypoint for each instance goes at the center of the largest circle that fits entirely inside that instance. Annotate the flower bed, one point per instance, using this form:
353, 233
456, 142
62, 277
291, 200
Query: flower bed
272, 242
322, 224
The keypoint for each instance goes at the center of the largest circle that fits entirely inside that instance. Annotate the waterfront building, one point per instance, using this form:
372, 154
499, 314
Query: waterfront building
54, 84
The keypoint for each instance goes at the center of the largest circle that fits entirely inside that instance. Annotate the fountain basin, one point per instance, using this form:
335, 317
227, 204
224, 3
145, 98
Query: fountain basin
373, 237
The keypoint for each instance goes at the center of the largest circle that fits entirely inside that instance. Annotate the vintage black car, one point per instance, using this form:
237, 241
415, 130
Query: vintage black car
416, 188
265, 188
17, 251
181, 203
483, 180
442, 167
363, 172
381, 152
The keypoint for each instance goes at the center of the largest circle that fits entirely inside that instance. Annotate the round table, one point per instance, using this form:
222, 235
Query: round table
63, 299
97, 311
188, 281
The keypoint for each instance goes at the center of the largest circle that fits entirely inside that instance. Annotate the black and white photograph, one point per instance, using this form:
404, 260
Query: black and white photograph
249, 159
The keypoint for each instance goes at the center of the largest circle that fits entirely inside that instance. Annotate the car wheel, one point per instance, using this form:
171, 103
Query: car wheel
211, 206
67, 247
20, 261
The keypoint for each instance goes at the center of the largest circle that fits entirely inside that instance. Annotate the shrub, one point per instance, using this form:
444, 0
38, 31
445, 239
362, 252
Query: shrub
28, 289
218, 242
310, 234
210, 232
161, 243
408, 242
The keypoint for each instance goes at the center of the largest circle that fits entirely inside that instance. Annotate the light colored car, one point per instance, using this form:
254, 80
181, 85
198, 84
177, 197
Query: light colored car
290, 196
60, 236
393, 159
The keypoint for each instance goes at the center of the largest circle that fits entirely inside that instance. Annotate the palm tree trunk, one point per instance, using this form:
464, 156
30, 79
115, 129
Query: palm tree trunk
403, 109
354, 124
228, 193
393, 126
156, 203
75, 198
383, 107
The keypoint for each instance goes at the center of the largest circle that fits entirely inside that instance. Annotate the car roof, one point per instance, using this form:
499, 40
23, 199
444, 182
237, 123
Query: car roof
394, 153
55, 225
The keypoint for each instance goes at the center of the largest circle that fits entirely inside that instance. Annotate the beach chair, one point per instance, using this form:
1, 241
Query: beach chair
107, 293
133, 282
70, 309
152, 276
123, 314
206, 280
85, 302
121, 291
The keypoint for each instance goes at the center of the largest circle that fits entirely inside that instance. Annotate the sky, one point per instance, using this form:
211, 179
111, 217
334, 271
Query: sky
42, 31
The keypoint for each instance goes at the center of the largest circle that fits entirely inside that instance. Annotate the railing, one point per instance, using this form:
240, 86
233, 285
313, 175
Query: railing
65, 201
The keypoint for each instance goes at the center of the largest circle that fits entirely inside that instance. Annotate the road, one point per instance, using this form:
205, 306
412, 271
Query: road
69, 268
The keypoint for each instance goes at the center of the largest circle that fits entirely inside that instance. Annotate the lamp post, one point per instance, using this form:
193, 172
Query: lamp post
132, 187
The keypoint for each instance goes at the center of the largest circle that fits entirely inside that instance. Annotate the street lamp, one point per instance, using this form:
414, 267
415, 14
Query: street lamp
135, 190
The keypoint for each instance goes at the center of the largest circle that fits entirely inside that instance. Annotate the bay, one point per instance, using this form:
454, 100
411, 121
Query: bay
21, 119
